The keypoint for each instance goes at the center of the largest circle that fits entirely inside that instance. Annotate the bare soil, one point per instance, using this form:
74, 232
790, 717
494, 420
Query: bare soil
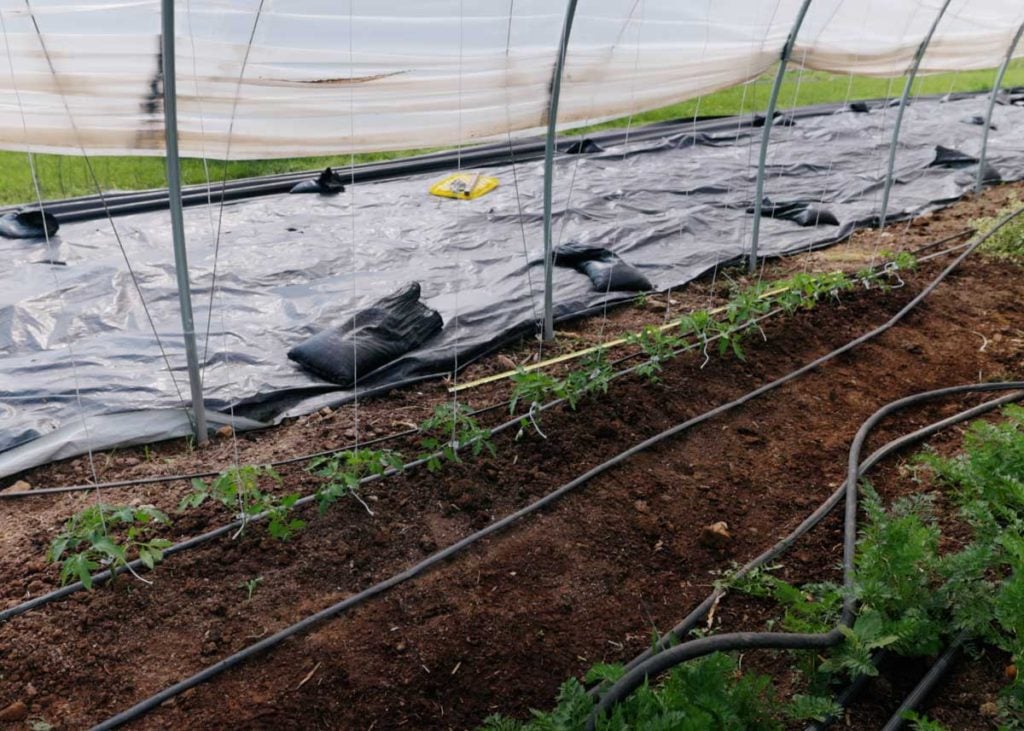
500, 627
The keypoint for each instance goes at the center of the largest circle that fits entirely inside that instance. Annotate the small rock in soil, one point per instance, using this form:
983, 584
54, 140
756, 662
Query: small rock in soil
131, 462
715, 535
19, 486
17, 711
30, 690
507, 363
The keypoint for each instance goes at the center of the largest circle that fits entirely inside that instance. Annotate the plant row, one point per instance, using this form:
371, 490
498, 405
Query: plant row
913, 598
110, 536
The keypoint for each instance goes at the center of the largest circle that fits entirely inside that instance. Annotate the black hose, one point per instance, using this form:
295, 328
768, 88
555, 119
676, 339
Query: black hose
850, 692
90, 207
155, 700
931, 678
673, 656
139, 481
681, 630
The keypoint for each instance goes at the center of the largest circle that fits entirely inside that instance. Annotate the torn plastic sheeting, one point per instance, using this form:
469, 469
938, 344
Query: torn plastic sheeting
288, 266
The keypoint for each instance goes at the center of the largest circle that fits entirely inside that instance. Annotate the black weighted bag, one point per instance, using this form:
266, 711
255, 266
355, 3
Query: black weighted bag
327, 183
372, 338
801, 213
586, 146
948, 157
28, 223
606, 270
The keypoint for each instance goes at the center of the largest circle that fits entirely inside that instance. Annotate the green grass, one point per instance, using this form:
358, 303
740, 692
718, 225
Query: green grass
63, 176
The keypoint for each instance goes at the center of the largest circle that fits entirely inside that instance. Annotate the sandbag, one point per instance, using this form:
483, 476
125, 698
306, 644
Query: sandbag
801, 213
978, 120
778, 120
327, 183
586, 146
372, 338
28, 223
607, 271
947, 157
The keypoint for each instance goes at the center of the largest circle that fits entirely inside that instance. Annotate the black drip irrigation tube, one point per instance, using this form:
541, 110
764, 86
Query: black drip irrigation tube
678, 633
157, 479
929, 681
670, 657
135, 566
851, 692
709, 644
186, 477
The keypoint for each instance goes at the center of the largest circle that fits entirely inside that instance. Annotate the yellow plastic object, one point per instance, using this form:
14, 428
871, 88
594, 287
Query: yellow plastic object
464, 186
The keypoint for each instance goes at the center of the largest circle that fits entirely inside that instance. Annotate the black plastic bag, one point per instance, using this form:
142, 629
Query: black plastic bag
606, 270
801, 213
858, 107
327, 183
28, 223
372, 338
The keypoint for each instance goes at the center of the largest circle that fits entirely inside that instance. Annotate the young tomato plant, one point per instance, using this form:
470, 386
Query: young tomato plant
344, 472
451, 428
238, 488
533, 388
595, 375
659, 346
105, 535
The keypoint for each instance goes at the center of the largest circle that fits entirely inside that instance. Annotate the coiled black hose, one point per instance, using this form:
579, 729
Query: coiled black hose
329, 612
670, 657
687, 625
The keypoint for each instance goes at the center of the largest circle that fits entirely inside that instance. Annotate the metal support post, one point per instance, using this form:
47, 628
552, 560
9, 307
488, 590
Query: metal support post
787, 51
992, 104
177, 220
899, 112
549, 161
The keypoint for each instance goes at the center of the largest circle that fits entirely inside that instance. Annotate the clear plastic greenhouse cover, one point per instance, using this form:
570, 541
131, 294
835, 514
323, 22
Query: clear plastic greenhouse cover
283, 78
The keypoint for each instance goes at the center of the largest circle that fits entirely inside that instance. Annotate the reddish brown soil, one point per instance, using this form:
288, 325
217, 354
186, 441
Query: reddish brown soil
499, 628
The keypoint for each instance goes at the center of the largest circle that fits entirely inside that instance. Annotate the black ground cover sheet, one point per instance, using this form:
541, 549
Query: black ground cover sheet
82, 370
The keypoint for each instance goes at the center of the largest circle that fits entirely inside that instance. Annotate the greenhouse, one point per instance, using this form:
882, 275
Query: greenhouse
600, 364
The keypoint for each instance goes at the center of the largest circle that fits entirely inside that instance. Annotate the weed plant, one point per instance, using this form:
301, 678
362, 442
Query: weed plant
1008, 242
